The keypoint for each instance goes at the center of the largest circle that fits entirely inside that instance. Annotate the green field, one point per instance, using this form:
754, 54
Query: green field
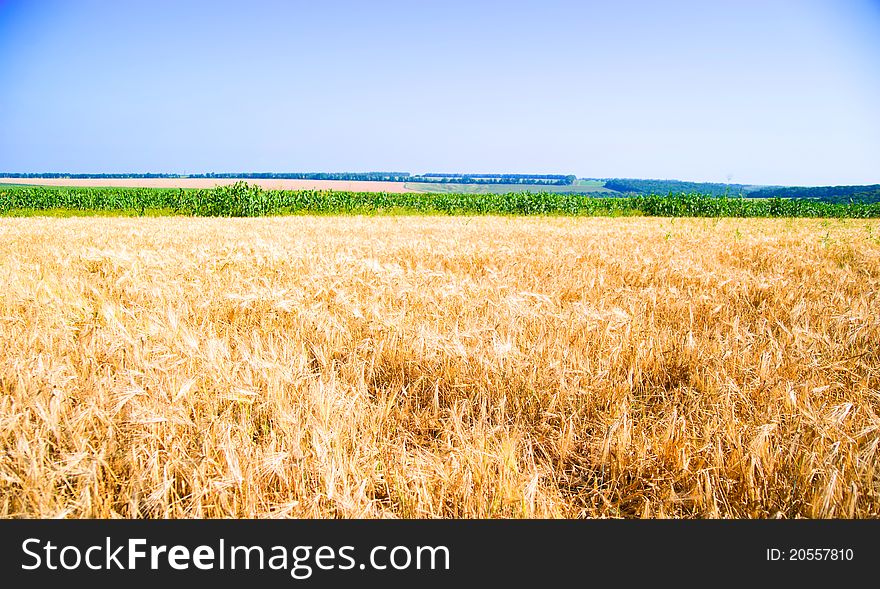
578, 187
243, 200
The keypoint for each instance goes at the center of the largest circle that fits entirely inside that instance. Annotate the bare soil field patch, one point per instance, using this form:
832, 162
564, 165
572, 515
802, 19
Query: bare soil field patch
353, 186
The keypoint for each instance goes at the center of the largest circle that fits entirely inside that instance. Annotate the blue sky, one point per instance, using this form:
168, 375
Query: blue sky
773, 92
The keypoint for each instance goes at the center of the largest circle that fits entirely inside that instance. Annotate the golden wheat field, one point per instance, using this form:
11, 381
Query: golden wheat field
439, 367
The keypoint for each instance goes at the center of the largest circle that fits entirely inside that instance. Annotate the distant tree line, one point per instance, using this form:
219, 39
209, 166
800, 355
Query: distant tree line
440, 178
349, 176
633, 186
835, 194
830, 194
84, 176
547, 179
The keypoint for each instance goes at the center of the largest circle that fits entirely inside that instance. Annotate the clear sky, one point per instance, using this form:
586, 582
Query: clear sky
750, 91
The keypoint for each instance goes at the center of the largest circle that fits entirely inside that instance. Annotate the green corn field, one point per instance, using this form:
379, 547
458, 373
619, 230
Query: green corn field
244, 200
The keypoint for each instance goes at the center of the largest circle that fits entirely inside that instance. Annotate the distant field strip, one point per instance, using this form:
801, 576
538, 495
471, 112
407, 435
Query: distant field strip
439, 367
581, 186
196, 183
243, 200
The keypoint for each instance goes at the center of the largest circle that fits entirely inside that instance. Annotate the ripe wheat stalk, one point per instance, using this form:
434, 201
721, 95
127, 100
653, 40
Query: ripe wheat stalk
439, 367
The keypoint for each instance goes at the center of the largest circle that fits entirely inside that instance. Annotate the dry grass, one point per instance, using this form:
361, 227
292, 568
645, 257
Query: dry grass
439, 367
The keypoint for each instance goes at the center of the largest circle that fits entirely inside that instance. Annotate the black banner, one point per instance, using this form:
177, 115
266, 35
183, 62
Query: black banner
311, 553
